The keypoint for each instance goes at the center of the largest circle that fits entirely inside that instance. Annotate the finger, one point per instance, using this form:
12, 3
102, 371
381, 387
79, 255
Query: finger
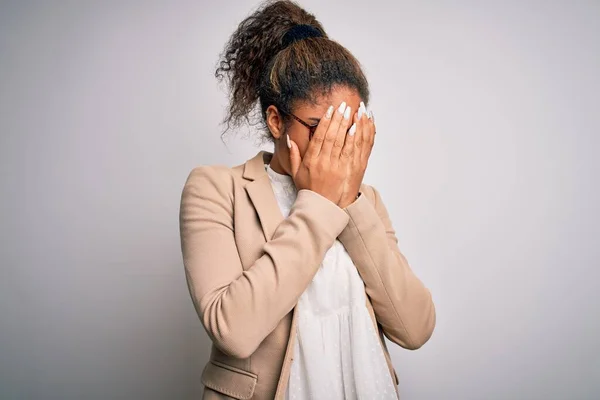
359, 136
340, 136
294, 156
363, 120
314, 146
331, 134
362, 110
368, 136
348, 149
364, 152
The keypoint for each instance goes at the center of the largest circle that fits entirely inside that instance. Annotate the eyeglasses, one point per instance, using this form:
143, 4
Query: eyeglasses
311, 128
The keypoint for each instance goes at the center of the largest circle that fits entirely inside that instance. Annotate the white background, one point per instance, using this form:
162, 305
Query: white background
488, 127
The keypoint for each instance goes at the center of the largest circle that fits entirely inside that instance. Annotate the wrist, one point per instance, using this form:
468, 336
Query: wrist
346, 201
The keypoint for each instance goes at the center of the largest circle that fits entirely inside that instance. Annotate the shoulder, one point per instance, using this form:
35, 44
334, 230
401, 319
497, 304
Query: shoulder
217, 174
210, 182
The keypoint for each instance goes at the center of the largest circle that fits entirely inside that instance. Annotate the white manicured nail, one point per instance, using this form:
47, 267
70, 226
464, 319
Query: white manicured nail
370, 114
289, 144
342, 107
361, 110
329, 112
347, 112
352, 130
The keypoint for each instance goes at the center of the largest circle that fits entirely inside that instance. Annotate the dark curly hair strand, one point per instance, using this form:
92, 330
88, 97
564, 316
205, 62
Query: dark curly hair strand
260, 71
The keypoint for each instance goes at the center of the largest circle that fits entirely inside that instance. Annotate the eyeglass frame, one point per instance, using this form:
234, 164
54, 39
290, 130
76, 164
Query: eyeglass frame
311, 128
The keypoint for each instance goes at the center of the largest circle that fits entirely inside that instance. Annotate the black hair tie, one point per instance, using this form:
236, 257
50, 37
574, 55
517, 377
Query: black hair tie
299, 32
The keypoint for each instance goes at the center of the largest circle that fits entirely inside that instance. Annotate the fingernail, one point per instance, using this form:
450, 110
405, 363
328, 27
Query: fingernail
342, 107
329, 112
370, 114
352, 130
347, 113
289, 144
362, 110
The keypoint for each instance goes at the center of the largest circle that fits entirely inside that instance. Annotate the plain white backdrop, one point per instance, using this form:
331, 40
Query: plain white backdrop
488, 128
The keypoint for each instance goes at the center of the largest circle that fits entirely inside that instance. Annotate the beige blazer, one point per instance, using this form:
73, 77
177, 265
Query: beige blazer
246, 267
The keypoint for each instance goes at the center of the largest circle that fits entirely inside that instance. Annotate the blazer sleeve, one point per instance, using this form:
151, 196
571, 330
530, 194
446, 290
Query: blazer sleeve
240, 307
403, 305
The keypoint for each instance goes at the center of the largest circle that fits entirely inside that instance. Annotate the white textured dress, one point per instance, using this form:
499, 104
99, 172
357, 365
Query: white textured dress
337, 353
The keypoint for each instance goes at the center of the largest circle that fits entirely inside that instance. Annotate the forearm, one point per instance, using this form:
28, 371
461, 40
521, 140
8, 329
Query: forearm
241, 306
402, 304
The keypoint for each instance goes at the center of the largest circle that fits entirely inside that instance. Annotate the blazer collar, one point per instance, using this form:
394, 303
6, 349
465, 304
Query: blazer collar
254, 168
261, 193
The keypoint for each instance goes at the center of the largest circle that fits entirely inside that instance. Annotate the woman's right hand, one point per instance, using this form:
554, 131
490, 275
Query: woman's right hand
324, 167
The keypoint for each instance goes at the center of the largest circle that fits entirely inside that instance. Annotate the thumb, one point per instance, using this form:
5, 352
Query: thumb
294, 155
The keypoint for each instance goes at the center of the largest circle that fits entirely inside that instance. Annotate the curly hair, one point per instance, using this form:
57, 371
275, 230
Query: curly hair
261, 70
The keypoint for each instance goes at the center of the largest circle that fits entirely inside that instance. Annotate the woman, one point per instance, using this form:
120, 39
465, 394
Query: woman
291, 261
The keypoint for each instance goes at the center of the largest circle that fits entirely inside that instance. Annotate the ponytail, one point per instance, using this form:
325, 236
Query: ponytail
281, 54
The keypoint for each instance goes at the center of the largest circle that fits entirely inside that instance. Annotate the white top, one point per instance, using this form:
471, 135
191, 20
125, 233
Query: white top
337, 353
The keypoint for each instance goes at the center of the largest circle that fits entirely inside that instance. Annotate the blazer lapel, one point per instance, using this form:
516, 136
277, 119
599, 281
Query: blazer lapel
261, 193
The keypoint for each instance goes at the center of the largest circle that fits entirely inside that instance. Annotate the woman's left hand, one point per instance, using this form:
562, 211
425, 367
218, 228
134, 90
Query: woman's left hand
363, 142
